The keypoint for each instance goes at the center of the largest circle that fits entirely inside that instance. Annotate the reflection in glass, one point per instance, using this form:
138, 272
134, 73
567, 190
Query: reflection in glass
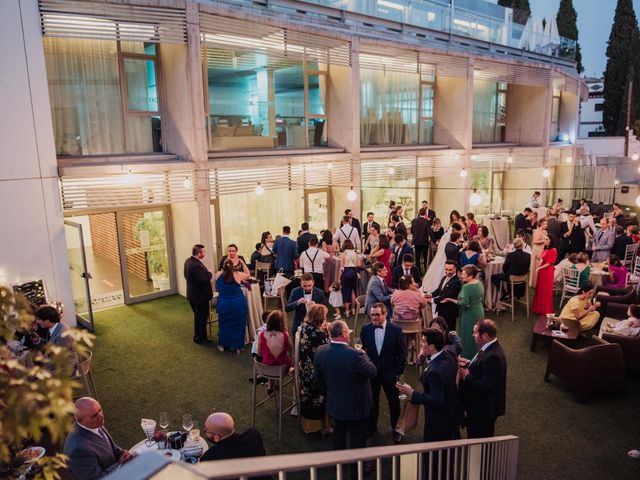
142, 91
318, 208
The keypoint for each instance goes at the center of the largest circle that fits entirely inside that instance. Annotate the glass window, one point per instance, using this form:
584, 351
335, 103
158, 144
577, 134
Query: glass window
555, 116
489, 111
89, 114
426, 113
376, 195
389, 107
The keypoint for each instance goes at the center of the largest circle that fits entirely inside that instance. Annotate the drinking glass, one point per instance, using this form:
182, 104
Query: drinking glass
400, 380
163, 421
195, 432
357, 343
187, 422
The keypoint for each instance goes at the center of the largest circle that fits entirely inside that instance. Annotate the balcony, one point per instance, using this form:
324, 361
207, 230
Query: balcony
474, 19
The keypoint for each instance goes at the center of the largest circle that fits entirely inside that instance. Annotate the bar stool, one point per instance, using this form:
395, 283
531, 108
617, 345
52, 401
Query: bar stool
411, 328
513, 281
360, 303
84, 373
276, 375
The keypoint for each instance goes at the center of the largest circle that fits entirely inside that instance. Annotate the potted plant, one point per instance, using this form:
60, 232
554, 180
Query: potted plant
150, 232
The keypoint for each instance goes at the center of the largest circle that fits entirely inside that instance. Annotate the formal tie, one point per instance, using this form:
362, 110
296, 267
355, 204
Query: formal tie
104, 436
406, 272
377, 326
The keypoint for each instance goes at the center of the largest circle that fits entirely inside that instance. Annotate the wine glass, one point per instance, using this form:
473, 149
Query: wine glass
195, 432
163, 421
187, 422
357, 343
400, 380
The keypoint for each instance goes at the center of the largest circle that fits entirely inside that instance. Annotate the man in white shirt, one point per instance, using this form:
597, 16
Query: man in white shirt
347, 231
91, 450
534, 202
312, 261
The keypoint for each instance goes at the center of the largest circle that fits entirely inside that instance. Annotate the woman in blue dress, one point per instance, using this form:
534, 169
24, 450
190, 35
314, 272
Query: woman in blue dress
232, 308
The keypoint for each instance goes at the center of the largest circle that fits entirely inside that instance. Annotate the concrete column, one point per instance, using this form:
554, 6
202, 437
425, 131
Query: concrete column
450, 127
526, 105
197, 151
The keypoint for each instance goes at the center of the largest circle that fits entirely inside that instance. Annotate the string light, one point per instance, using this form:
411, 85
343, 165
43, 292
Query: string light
509, 159
463, 173
568, 159
616, 182
638, 200
475, 199
259, 189
391, 170
546, 173
634, 157
187, 183
351, 195
330, 166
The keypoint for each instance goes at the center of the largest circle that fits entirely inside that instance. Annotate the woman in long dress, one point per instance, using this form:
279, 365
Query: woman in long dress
538, 242
313, 334
543, 297
232, 308
434, 274
470, 303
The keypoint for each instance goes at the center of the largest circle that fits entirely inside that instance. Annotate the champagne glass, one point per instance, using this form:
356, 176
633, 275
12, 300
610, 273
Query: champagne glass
357, 343
400, 380
187, 422
163, 421
195, 432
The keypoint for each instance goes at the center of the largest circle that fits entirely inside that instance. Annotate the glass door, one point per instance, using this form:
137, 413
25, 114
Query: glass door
79, 276
317, 209
146, 254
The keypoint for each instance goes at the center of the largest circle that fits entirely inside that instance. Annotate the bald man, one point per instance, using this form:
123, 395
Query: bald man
220, 430
91, 450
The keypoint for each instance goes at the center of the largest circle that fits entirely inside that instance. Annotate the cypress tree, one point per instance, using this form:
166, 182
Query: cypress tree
567, 19
622, 61
521, 9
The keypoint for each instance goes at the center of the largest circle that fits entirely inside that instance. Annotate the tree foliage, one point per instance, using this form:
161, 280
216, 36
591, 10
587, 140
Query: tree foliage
622, 61
567, 20
521, 9
36, 396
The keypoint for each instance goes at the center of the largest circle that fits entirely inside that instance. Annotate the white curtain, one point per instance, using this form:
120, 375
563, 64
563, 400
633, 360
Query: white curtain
484, 111
85, 96
388, 107
603, 184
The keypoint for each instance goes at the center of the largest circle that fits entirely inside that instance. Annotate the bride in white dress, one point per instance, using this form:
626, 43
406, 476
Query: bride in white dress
434, 274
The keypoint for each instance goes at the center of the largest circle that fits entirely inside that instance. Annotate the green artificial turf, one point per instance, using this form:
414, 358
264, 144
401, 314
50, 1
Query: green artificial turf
145, 362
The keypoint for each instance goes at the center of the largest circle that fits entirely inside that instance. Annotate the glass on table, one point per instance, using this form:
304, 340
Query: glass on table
195, 432
163, 421
148, 427
187, 422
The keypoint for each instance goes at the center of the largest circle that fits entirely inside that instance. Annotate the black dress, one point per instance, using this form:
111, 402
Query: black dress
311, 397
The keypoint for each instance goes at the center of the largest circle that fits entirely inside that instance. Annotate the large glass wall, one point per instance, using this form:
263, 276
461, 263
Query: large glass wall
396, 108
554, 130
255, 101
489, 111
377, 194
104, 96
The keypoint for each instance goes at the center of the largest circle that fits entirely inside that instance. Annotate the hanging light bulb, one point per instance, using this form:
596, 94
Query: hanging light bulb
509, 159
351, 195
546, 173
568, 159
638, 200
616, 182
634, 157
463, 173
391, 171
130, 178
187, 183
475, 199
456, 157
259, 189
330, 166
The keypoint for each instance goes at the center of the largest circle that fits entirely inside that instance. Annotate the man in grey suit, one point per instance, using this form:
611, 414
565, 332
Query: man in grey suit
377, 290
602, 242
48, 318
344, 374
91, 450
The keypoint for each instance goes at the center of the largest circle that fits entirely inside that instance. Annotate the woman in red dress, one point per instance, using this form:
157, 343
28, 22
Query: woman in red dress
382, 253
543, 298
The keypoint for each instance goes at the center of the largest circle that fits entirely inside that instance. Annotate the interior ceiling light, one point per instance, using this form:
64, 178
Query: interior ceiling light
634, 157
463, 173
638, 200
330, 166
568, 159
546, 173
187, 183
391, 170
259, 189
616, 182
509, 159
475, 199
351, 195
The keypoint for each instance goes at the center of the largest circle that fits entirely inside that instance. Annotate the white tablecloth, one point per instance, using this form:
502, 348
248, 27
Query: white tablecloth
142, 446
596, 276
491, 294
499, 230
254, 318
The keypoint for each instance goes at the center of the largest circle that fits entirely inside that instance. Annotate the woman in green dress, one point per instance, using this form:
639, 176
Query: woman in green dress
470, 303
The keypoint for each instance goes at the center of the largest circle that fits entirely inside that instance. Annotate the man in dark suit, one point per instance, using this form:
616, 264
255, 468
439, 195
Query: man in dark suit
483, 383
407, 267
572, 236
420, 233
48, 319
371, 223
452, 248
440, 398
301, 299
387, 349
219, 429
91, 450
354, 222
431, 214
304, 237
401, 248
521, 219
199, 292
377, 289
398, 225
343, 374
517, 262
449, 287
286, 251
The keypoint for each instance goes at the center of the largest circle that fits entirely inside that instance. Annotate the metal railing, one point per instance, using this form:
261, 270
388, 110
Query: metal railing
472, 459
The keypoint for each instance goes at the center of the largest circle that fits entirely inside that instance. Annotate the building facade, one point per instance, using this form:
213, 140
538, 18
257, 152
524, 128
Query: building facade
591, 110
141, 127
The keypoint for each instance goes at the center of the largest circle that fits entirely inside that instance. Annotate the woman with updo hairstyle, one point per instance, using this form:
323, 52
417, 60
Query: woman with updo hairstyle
407, 300
232, 308
470, 303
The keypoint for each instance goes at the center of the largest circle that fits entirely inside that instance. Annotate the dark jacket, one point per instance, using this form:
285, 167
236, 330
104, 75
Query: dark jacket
343, 374
451, 290
517, 262
575, 242
286, 251
393, 355
297, 293
620, 245
484, 389
303, 241
398, 272
400, 252
90, 456
419, 231
452, 252
521, 222
440, 398
238, 445
198, 281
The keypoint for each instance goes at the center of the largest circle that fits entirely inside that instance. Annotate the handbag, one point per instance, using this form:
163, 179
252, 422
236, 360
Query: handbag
278, 282
408, 418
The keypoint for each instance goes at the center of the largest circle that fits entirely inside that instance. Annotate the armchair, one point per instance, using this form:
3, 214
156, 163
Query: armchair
629, 297
630, 349
596, 368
